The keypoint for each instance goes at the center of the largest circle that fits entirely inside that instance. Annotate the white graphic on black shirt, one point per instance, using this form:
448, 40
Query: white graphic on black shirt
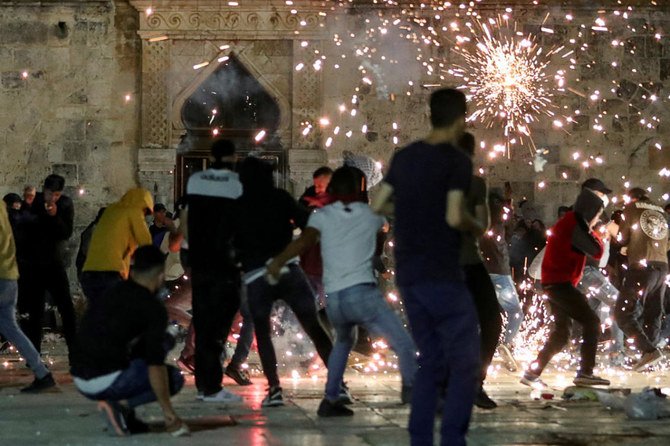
654, 225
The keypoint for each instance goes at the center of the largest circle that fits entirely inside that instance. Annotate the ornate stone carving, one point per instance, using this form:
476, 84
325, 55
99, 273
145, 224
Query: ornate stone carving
307, 96
155, 125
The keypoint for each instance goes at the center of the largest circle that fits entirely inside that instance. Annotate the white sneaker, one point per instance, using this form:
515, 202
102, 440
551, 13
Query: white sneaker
222, 396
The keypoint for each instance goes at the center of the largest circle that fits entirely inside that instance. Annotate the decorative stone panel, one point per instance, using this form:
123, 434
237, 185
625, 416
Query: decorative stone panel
155, 123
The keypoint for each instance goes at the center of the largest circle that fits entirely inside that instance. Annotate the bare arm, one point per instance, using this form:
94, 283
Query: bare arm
308, 238
158, 379
458, 217
382, 203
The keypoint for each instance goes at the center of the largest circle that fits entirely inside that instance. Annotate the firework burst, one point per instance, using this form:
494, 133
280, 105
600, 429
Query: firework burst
506, 76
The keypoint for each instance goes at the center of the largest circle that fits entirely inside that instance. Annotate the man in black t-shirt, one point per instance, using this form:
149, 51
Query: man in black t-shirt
122, 348
426, 185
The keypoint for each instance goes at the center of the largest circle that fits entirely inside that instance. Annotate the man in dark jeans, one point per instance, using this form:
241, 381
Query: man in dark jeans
644, 234
265, 227
571, 240
45, 227
210, 224
477, 277
425, 188
122, 348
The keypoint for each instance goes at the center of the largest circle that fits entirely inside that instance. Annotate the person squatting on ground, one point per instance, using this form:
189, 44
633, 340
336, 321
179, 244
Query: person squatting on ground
123, 341
425, 188
495, 254
644, 236
476, 277
266, 219
119, 231
347, 231
571, 240
215, 278
43, 229
9, 274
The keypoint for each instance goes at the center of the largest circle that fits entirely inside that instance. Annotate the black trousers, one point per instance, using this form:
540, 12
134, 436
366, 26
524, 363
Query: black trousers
483, 292
294, 289
645, 286
216, 301
565, 303
34, 282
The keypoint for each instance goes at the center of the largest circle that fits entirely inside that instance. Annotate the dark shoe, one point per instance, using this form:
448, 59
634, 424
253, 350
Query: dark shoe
113, 415
274, 398
648, 359
186, 365
406, 394
483, 401
238, 375
345, 396
337, 409
583, 379
40, 385
134, 424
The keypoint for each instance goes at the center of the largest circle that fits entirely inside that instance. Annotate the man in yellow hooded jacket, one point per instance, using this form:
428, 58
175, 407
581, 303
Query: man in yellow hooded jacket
120, 231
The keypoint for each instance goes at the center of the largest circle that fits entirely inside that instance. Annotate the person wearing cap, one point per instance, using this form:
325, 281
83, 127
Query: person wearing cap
122, 345
644, 235
161, 225
119, 232
571, 240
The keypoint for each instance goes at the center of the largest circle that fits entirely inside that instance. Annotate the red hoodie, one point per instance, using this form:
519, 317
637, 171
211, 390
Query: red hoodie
562, 263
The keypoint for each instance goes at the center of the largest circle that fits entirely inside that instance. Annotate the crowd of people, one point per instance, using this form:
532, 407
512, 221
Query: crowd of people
464, 255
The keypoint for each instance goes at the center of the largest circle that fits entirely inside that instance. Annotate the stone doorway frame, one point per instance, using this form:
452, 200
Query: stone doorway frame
212, 20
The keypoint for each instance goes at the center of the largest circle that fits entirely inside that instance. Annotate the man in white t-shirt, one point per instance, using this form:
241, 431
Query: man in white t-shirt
347, 230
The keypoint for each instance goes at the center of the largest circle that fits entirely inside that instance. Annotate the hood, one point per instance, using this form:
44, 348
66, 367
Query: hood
137, 198
587, 205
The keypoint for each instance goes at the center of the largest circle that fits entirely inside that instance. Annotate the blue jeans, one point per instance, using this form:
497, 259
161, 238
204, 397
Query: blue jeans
443, 320
9, 291
133, 385
364, 305
246, 333
598, 289
509, 301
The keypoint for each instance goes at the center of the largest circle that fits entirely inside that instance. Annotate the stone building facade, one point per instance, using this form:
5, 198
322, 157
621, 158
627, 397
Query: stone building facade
95, 90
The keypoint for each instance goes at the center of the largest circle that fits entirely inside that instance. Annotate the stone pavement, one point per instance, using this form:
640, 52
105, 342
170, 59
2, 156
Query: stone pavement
66, 418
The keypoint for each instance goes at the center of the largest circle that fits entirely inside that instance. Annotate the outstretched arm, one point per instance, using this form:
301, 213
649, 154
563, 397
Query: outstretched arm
308, 238
382, 203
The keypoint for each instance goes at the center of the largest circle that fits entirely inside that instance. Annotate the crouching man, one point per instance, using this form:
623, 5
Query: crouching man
123, 343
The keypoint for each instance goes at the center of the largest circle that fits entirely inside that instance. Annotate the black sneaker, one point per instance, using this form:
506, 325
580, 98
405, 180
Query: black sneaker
483, 401
113, 415
238, 375
406, 394
274, 398
583, 379
345, 396
337, 409
134, 424
40, 385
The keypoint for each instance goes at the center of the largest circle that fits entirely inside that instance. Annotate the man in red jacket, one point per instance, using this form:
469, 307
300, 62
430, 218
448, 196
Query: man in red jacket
571, 240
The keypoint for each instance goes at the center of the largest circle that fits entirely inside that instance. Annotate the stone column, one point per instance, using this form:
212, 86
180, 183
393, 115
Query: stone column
156, 158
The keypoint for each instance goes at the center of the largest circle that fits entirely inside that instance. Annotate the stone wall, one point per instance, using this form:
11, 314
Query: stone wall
101, 103
68, 98
610, 127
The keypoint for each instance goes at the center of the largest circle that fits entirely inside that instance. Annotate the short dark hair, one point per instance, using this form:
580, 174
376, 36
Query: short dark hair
637, 193
321, 171
563, 209
467, 143
55, 183
11, 198
345, 181
256, 174
147, 259
222, 148
446, 106
159, 207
